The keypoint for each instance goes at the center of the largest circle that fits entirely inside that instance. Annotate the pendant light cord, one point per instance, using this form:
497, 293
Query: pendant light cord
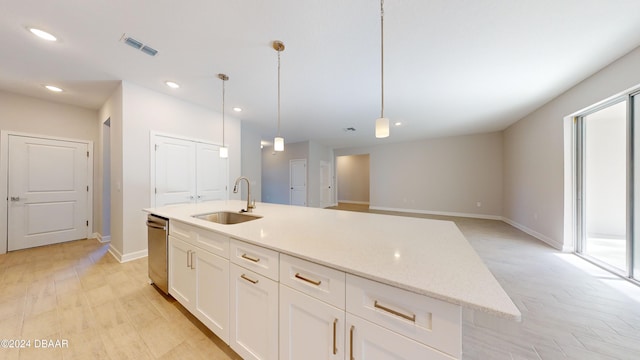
278, 93
381, 58
223, 112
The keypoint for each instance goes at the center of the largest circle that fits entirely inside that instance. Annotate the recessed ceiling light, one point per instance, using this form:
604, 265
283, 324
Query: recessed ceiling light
42, 34
53, 88
397, 123
237, 109
172, 85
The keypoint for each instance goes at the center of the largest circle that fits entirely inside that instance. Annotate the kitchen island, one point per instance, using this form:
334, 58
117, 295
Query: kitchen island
383, 275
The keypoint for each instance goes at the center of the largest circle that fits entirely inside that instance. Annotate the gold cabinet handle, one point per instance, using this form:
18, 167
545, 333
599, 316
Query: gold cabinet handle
351, 342
314, 282
249, 279
396, 313
245, 256
335, 345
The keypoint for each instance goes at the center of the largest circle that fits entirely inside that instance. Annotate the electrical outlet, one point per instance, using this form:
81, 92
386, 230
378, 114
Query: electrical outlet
478, 204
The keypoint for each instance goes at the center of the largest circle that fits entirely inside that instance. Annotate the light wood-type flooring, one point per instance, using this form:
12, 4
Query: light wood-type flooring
77, 292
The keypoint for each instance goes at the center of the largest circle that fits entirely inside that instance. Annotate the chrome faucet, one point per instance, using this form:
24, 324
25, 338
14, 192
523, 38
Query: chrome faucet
250, 205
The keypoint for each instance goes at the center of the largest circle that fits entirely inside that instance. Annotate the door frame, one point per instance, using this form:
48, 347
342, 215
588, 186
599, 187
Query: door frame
4, 180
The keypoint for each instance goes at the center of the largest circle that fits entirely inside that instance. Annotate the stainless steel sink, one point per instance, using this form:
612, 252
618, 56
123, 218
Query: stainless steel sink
227, 217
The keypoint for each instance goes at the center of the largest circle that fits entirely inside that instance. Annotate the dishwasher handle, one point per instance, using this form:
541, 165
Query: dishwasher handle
156, 225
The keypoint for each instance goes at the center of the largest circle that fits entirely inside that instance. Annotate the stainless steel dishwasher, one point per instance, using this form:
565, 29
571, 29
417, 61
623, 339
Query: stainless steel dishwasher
157, 239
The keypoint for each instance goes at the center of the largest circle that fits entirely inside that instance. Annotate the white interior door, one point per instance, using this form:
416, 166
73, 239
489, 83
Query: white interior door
211, 175
326, 190
48, 191
298, 182
175, 164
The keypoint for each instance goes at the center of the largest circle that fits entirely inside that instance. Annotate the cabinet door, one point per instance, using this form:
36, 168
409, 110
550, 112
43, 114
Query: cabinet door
182, 282
175, 171
254, 311
212, 297
309, 328
211, 173
368, 341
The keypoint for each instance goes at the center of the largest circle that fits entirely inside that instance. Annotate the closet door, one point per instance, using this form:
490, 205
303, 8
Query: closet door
211, 173
175, 171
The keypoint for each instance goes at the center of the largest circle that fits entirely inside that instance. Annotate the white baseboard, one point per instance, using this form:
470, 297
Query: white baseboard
443, 213
549, 241
354, 202
102, 239
122, 258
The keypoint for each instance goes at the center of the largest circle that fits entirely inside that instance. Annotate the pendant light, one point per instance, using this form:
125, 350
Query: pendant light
382, 123
278, 142
224, 151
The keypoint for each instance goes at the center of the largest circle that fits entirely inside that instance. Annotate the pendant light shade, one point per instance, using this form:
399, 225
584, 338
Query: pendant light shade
382, 127
224, 151
382, 123
278, 141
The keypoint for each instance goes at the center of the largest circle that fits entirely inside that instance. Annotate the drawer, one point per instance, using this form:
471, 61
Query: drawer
208, 240
256, 258
429, 321
315, 280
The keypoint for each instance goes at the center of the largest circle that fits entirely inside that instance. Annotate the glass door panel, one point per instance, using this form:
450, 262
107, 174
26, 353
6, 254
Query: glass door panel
605, 186
635, 271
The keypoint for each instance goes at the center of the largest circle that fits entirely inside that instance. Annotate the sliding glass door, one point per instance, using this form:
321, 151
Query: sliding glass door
604, 186
634, 248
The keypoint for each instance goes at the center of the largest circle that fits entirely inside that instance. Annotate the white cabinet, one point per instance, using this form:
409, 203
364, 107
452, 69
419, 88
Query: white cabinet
368, 341
309, 328
199, 280
433, 324
267, 305
182, 282
254, 315
212, 292
311, 310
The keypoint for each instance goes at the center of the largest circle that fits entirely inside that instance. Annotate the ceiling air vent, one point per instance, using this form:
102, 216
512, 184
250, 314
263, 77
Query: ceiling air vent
138, 45
149, 50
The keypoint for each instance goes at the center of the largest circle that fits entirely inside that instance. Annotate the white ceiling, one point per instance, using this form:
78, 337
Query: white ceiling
452, 67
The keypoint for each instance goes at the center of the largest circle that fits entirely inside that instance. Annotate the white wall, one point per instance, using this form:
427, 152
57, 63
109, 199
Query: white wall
275, 171
317, 153
143, 111
112, 109
252, 160
441, 176
35, 116
353, 178
537, 196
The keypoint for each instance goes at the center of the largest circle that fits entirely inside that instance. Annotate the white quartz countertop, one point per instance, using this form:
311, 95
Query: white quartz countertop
429, 257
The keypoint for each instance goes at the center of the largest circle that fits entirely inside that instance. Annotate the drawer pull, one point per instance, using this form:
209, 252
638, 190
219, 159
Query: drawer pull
314, 282
335, 346
351, 342
249, 279
245, 256
396, 313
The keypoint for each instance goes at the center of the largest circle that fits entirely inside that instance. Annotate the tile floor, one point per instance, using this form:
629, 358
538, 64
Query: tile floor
77, 292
